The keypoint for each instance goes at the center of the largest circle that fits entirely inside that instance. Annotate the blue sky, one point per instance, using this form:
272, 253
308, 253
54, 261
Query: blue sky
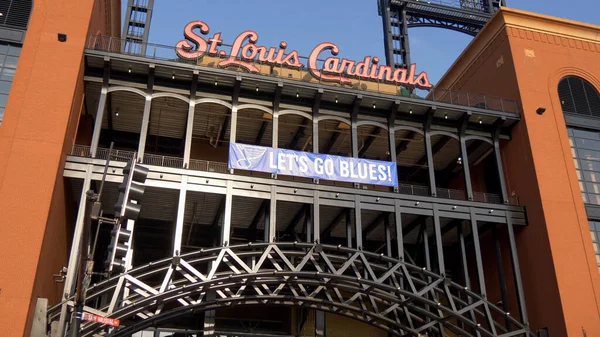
353, 25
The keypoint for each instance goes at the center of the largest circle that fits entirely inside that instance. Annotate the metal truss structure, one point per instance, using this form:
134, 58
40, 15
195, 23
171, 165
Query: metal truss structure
466, 16
136, 27
391, 294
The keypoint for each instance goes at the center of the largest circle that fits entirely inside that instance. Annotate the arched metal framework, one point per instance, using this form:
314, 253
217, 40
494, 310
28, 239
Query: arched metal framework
393, 295
466, 16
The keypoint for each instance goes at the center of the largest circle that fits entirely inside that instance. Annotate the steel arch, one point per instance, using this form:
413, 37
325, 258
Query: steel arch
390, 294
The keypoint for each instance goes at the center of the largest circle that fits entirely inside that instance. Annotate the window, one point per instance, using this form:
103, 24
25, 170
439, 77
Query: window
578, 96
595, 233
9, 57
15, 16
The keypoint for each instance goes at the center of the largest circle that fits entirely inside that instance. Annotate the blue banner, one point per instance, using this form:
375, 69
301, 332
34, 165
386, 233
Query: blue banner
312, 165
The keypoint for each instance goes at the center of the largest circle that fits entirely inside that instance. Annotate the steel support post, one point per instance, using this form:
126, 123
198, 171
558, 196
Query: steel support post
499, 166
315, 120
463, 255
354, 128
209, 316
273, 215
426, 243
101, 108
74, 254
501, 278
276, 101
358, 223
180, 217
478, 258
388, 235
320, 324
465, 157
514, 258
404, 42
391, 122
348, 215
189, 129
429, 152
234, 111
267, 222
399, 238
315, 218
438, 241
226, 231
308, 224
146, 116
387, 33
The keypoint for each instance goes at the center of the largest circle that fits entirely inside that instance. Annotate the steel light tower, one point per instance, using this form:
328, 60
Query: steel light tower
136, 27
467, 16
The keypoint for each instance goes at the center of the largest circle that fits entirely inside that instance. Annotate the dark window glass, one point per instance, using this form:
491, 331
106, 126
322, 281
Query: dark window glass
578, 96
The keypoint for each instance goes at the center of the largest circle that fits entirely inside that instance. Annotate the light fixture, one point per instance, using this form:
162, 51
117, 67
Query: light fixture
459, 161
374, 106
173, 77
297, 94
257, 88
540, 110
129, 70
410, 111
445, 116
480, 121
216, 83
336, 100
117, 113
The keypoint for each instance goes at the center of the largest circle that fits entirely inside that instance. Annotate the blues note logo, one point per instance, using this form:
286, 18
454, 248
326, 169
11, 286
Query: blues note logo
249, 155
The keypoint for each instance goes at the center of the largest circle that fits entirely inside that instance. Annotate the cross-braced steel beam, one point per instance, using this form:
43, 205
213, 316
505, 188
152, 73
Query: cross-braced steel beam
390, 294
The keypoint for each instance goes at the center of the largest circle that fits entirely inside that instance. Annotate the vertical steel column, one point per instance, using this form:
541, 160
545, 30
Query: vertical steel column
226, 232
354, 128
308, 224
276, 101
514, 257
399, 238
273, 215
348, 227
189, 130
388, 235
463, 255
69, 287
320, 323
234, 111
146, 116
267, 223
387, 32
101, 108
404, 42
478, 258
358, 222
316, 216
426, 244
315, 120
501, 277
499, 166
439, 241
391, 122
180, 216
354, 125
465, 155
428, 151
315, 130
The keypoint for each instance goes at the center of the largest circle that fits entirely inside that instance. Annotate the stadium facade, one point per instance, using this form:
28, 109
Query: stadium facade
297, 196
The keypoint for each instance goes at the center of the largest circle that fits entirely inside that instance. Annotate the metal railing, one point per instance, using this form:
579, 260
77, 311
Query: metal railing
208, 166
166, 161
168, 53
220, 167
